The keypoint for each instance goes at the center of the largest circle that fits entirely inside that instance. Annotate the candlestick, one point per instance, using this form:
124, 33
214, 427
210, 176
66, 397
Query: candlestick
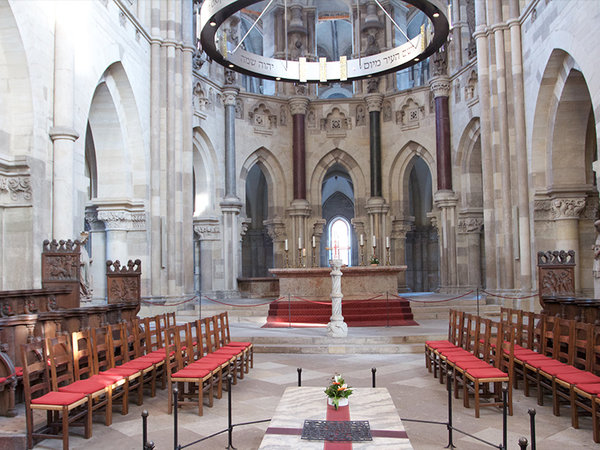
362, 251
287, 259
303, 252
314, 242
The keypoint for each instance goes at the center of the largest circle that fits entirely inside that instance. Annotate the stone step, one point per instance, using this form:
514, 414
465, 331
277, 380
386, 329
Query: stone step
386, 349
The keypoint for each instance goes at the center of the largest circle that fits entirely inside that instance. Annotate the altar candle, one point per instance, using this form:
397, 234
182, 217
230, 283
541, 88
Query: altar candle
286, 245
387, 242
362, 241
314, 242
374, 241
303, 252
299, 243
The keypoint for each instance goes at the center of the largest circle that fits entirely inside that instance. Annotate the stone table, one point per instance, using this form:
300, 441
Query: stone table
300, 403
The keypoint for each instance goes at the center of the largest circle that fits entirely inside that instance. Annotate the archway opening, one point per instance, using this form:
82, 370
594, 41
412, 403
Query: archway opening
337, 194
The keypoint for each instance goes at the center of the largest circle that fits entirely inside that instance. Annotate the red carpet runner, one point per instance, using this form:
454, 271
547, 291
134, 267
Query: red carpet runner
357, 313
341, 414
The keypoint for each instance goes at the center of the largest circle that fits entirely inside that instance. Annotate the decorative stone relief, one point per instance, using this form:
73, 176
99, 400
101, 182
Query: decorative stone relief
198, 59
283, 115
471, 46
410, 114
262, 119
122, 220
387, 111
199, 99
471, 89
360, 116
16, 188
336, 123
567, 208
438, 62
457, 91
301, 89
470, 225
207, 229
239, 108
373, 85
276, 229
311, 118
230, 77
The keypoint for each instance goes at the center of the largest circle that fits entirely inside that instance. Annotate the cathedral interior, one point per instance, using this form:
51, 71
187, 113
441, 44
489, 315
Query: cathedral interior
130, 135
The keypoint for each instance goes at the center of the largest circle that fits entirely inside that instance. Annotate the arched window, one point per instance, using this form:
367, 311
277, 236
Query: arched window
339, 238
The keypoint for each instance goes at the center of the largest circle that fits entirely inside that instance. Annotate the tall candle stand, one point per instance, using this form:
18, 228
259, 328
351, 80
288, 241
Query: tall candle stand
314, 258
287, 259
388, 257
374, 256
300, 261
362, 254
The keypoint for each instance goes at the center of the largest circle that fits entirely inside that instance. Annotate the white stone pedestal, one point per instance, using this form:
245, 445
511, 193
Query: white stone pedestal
336, 326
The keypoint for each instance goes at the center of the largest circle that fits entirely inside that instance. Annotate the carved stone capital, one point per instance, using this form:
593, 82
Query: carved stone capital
230, 96
121, 215
374, 101
298, 105
440, 86
318, 227
207, 229
400, 227
66, 133
467, 225
276, 229
567, 208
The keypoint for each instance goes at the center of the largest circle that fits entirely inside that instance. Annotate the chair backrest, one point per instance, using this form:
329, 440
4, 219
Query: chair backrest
101, 349
202, 349
549, 331
117, 344
224, 326
173, 346
170, 319
83, 359
154, 333
564, 340
36, 378
209, 335
60, 356
583, 340
139, 329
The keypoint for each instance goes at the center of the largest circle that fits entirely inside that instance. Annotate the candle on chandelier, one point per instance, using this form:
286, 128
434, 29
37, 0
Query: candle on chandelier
374, 241
286, 245
362, 241
314, 242
387, 242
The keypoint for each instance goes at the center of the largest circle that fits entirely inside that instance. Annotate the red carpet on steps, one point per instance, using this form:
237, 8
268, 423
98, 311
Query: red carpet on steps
357, 313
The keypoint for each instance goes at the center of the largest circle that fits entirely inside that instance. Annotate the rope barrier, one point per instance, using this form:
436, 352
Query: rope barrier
433, 301
509, 298
243, 306
170, 304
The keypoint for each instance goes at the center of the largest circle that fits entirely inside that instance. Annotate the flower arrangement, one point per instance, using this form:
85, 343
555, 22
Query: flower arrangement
337, 389
374, 260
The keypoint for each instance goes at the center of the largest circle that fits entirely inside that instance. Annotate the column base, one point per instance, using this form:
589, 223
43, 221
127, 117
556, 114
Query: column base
337, 329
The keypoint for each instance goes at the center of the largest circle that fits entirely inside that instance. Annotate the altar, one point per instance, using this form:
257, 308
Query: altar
298, 404
359, 282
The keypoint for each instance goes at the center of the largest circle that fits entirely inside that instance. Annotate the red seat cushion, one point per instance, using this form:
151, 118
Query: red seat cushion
107, 378
239, 344
123, 371
578, 378
152, 358
135, 364
478, 364
590, 388
556, 370
3, 379
490, 372
83, 386
19, 371
58, 398
191, 373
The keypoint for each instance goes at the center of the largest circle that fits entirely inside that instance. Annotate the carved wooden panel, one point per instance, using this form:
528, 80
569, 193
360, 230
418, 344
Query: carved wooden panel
60, 268
123, 283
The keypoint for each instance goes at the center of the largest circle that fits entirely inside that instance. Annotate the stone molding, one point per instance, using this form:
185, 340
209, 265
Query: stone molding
66, 133
440, 86
118, 215
470, 225
298, 105
299, 207
207, 229
567, 208
374, 101
445, 199
16, 188
377, 205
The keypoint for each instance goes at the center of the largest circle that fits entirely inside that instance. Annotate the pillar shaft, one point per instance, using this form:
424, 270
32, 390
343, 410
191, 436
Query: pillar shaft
374, 102
230, 178
440, 86
298, 107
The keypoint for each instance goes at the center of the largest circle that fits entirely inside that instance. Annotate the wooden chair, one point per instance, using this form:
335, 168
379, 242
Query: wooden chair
62, 409
487, 382
226, 341
62, 379
192, 381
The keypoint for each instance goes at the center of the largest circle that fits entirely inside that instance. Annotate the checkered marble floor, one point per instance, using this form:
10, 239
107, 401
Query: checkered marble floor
415, 392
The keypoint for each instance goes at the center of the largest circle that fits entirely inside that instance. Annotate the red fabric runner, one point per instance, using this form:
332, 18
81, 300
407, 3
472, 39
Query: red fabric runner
341, 414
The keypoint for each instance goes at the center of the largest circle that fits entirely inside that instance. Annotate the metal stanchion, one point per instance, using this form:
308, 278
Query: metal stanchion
229, 418
504, 418
478, 300
145, 444
373, 370
175, 425
289, 310
299, 369
449, 389
523, 443
531, 413
387, 307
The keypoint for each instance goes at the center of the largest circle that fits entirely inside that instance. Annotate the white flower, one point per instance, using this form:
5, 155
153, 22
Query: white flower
337, 378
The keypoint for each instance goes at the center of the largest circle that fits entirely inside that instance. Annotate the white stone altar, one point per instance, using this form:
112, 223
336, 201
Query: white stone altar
300, 403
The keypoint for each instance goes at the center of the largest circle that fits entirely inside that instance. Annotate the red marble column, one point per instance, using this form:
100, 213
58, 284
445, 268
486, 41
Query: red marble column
442, 139
298, 106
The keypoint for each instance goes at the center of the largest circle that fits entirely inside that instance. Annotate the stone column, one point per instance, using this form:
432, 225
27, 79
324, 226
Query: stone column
525, 259
336, 326
374, 102
207, 232
400, 227
62, 132
299, 210
483, 74
470, 227
566, 212
440, 86
318, 228
276, 229
446, 202
229, 99
377, 211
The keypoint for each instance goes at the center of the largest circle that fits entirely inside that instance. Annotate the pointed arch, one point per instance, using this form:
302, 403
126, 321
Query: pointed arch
336, 156
274, 174
399, 173
468, 160
206, 171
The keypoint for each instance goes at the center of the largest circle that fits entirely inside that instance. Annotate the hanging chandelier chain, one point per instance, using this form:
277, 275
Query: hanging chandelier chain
252, 27
394, 22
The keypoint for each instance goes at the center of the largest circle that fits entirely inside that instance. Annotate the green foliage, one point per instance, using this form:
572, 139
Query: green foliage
338, 389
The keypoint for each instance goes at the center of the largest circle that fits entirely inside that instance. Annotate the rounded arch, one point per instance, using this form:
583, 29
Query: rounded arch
205, 171
16, 105
114, 126
563, 93
343, 158
274, 175
400, 173
468, 160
